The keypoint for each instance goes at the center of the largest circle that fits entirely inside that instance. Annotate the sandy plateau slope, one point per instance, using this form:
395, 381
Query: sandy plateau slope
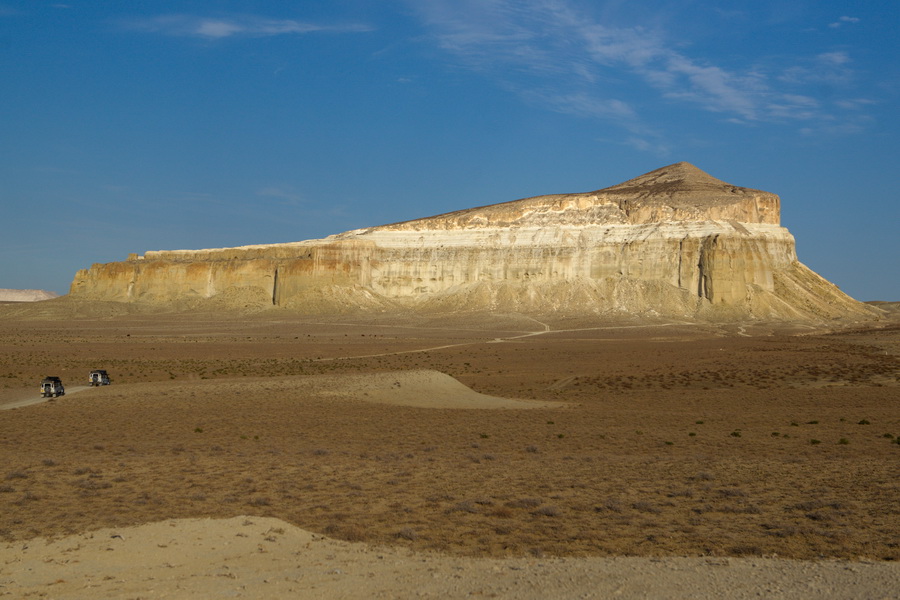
275, 456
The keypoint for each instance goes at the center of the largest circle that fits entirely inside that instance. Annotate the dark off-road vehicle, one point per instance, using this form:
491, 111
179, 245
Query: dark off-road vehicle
51, 387
98, 377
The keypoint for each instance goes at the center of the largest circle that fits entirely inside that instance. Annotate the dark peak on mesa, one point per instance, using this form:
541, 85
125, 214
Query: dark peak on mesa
679, 177
677, 192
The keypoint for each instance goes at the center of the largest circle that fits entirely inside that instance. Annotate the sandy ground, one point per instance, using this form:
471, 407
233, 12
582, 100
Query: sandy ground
254, 557
265, 457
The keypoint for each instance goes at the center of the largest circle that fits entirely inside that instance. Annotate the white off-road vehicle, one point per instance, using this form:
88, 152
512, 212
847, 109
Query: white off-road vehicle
98, 377
51, 387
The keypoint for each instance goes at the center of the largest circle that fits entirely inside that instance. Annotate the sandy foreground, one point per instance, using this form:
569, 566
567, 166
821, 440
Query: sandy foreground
261, 557
256, 557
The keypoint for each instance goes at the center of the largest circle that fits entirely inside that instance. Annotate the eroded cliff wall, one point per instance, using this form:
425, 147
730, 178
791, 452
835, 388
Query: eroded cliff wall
675, 241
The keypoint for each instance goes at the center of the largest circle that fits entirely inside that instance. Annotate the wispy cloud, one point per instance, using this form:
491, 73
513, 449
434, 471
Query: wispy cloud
833, 68
558, 53
281, 194
214, 28
843, 21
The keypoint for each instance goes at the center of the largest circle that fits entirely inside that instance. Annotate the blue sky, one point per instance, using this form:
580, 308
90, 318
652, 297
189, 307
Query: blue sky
127, 127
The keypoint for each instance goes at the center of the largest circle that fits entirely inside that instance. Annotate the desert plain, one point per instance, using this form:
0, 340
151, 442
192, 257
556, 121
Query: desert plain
471, 437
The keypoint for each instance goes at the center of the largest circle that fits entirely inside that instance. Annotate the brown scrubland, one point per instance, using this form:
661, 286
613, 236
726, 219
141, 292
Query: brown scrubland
469, 434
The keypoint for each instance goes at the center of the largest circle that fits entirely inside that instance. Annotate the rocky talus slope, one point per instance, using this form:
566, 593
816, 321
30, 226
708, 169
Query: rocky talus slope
673, 242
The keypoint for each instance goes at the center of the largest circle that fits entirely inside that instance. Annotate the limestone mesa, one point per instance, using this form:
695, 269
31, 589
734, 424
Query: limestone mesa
673, 242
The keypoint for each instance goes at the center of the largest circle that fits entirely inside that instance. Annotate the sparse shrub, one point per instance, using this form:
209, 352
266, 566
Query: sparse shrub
775, 434
48, 462
863, 422
525, 503
560, 435
350, 533
466, 506
532, 449
646, 507
611, 504
812, 422
698, 422
91, 484
26, 497
888, 435
815, 441
407, 533
320, 452
260, 501
16, 475
746, 551
198, 430
736, 433
670, 443
502, 512
547, 511
843, 441
483, 436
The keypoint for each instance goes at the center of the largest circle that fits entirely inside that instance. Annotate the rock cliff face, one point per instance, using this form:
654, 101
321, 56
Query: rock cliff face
675, 242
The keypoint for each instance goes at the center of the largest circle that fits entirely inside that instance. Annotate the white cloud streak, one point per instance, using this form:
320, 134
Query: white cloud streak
552, 52
843, 21
216, 28
283, 195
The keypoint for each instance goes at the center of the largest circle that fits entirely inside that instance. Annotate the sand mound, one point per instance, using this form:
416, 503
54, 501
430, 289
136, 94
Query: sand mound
257, 557
8, 295
422, 389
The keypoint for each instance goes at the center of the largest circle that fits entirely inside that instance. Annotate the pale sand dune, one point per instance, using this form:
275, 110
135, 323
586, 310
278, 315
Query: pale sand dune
421, 389
256, 557
9, 295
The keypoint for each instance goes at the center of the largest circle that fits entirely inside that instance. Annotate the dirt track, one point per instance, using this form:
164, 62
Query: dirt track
667, 441
31, 399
